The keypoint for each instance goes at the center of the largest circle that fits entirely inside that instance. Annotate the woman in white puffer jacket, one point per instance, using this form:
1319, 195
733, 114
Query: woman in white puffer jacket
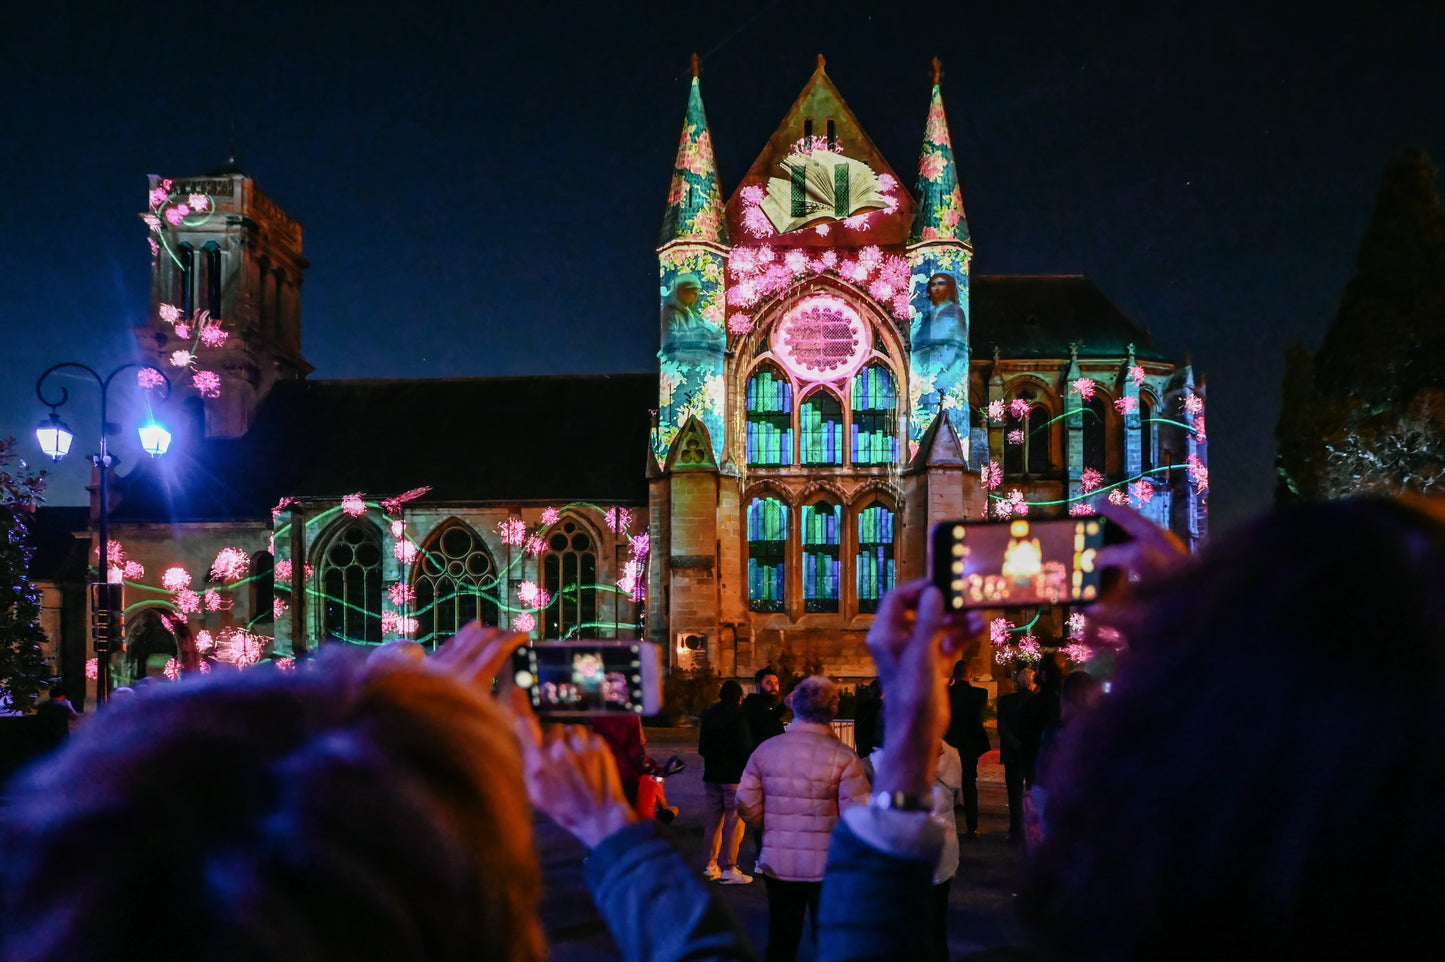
793, 788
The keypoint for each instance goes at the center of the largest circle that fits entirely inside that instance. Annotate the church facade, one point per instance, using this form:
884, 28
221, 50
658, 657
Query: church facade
832, 380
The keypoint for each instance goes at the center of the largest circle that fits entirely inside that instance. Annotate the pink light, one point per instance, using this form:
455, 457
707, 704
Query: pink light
1015, 437
752, 194
281, 505
398, 528
1199, 434
133, 571
1019, 407
353, 505
829, 258
618, 519
1194, 404
182, 358
1081, 509
115, 574
513, 531
823, 230
213, 336
551, 516
401, 594
282, 571
887, 182
170, 313
278, 608
213, 601
524, 621
183, 331
158, 197
92, 669
531, 595
796, 261
1126, 405
995, 411
1089, 480
1078, 653
174, 579
1029, 648
991, 475
208, 383
405, 551
740, 324
172, 670
205, 667
174, 215
1198, 473
1136, 374
286, 664
231, 563
640, 545
187, 601
535, 545
198, 202
204, 641
1077, 624
148, 378
1118, 496
1086, 387
998, 631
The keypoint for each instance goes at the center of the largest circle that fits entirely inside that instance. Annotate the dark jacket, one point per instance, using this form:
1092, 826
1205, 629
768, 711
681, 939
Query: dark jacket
765, 717
1012, 747
965, 724
724, 742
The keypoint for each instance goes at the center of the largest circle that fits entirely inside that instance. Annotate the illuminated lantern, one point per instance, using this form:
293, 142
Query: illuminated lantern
54, 437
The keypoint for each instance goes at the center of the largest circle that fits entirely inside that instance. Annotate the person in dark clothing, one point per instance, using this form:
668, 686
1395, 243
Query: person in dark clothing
867, 733
1011, 710
965, 733
1042, 711
724, 744
764, 708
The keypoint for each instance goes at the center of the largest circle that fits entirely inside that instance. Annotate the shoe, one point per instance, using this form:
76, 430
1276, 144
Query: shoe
712, 873
665, 814
733, 877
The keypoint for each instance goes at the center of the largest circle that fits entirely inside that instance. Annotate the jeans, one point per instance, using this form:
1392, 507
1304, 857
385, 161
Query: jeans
722, 832
787, 903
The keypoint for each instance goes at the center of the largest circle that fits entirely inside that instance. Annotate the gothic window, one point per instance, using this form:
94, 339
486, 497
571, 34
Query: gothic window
767, 547
1026, 442
1095, 424
213, 278
874, 563
821, 527
769, 418
351, 584
187, 276
455, 582
822, 428
263, 586
1146, 434
875, 437
569, 575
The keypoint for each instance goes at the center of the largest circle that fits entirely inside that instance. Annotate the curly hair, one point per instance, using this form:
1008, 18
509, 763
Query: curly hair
815, 699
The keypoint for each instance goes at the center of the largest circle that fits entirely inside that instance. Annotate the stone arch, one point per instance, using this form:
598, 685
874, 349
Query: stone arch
348, 559
454, 579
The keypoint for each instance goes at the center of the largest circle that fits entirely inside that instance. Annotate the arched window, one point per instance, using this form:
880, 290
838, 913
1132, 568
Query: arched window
1026, 442
351, 584
1146, 434
213, 278
822, 428
455, 582
767, 549
769, 399
263, 587
822, 524
149, 644
187, 274
1095, 425
873, 399
569, 574
875, 556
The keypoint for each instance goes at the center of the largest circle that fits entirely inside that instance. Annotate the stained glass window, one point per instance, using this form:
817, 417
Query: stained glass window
821, 524
873, 399
822, 429
874, 564
769, 418
569, 574
455, 582
351, 584
767, 549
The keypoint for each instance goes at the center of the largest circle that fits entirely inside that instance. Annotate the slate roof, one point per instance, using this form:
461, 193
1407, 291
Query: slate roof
513, 439
1030, 316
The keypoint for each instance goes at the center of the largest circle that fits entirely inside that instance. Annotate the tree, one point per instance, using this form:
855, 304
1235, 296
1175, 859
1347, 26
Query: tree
1367, 412
23, 669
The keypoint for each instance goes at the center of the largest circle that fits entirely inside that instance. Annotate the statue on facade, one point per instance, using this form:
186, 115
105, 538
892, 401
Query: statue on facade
687, 336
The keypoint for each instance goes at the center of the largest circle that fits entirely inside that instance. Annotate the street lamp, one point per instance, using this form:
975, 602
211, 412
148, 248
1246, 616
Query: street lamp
55, 438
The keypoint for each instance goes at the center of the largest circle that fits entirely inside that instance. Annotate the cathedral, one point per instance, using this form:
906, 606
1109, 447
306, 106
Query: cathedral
832, 381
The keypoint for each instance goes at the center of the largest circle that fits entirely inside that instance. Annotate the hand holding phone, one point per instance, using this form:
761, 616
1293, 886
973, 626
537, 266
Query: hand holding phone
590, 677
1021, 562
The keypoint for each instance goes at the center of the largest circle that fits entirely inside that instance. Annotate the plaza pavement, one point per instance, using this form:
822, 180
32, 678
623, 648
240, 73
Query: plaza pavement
981, 901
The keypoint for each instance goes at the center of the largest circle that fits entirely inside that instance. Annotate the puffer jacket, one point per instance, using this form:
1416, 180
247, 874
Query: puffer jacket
794, 787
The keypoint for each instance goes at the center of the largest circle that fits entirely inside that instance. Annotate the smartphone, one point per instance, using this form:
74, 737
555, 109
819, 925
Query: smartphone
591, 677
991, 564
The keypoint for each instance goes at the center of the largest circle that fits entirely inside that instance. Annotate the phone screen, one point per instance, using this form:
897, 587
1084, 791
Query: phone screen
582, 677
1019, 562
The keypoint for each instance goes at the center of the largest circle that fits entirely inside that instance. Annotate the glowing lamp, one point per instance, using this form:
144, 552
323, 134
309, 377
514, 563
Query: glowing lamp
154, 439
54, 437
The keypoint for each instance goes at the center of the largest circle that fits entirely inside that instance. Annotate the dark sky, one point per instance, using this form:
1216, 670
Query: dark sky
481, 189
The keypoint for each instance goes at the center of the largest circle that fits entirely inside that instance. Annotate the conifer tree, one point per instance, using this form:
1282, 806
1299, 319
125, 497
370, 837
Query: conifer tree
1367, 412
23, 670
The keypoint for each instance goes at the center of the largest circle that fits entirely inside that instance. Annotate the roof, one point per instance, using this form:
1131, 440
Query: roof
694, 202
938, 215
513, 439
59, 556
1030, 316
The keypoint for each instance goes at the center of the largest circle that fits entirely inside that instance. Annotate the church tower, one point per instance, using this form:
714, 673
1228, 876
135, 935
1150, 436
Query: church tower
225, 295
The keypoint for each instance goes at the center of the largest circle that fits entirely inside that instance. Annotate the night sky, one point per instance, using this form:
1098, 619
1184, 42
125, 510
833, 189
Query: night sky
481, 190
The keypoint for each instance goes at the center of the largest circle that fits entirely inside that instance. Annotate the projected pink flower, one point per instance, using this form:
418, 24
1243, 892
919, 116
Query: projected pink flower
230, 564
995, 410
213, 336
1198, 473
1081, 509
1019, 407
395, 624
204, 641
213, 601
1089, 480
286, 663
618, 519
1015, 437
282, 505
1142, 492
172, 670
170, 313
208, 383
524, 621
991, 475
1077, 624
401, 594
198, 202
1136, 374
881, 289
148, 378
187, 601
752, 194
205, 667
998, 631
551, 516
1199, 434
175, 579
282, 571
796, 261
740, 324
1029, 649
1086, 387
1126, 405
1077, 653
278, 608
92, 669
1118, 496
1194, 404
183, 331
513, 531
353, 505
405, 551
640, 545
535, 545
182, 358
533, 596
133, 571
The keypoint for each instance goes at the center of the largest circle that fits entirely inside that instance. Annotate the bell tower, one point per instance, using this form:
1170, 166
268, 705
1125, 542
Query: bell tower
225, 322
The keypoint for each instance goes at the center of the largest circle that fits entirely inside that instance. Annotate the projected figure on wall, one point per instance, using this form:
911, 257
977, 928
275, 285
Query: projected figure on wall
687, 336
939, 343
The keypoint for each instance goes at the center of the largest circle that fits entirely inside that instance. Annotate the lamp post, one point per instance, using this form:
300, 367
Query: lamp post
55, 439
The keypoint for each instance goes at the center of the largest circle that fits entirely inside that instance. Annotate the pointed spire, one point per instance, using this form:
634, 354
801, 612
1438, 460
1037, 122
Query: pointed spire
939, 214
695, 202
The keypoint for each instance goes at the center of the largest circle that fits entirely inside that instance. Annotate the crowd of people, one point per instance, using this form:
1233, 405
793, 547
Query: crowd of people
1262, 779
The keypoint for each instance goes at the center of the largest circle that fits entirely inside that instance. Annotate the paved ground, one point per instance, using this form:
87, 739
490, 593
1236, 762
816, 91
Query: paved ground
981, 901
